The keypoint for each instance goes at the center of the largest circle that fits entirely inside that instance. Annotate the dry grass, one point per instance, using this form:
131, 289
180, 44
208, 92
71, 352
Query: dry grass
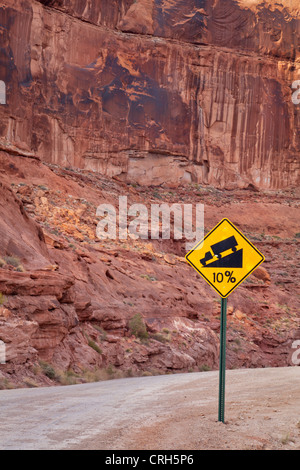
13, 262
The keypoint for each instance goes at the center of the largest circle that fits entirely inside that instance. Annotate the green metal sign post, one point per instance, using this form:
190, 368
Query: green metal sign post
222, 360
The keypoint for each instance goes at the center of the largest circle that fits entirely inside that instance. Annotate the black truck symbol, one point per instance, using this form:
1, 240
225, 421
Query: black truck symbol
219, 248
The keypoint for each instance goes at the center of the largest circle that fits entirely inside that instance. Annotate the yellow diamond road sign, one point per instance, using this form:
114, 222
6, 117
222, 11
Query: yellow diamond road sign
224, 258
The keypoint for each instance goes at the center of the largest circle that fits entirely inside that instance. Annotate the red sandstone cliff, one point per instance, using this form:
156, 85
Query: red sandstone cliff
134, 88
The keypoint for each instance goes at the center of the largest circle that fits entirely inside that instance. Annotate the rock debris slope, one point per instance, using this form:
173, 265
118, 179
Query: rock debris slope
75, 308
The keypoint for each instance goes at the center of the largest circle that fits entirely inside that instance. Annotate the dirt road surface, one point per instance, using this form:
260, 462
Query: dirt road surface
171, 412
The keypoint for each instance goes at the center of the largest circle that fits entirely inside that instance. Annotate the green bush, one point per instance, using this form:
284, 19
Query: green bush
94, 346
103, 333
149, 278
160, 337
5, 384
68, 377
204, 368
48, 370
137, 327
12, 261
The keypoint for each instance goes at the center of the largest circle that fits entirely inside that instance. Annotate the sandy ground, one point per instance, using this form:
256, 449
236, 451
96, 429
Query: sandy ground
260, 413
171, 412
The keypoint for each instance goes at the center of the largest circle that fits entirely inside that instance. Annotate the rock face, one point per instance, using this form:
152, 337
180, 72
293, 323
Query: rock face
134, 88
72, 306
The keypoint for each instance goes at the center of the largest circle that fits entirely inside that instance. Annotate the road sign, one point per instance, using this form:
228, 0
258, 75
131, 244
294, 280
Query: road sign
224, 258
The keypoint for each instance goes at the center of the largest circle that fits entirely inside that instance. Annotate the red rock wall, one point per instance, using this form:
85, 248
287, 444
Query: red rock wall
199, 88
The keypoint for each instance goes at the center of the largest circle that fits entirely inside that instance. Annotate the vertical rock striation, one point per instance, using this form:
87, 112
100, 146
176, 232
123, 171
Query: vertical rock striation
132, 88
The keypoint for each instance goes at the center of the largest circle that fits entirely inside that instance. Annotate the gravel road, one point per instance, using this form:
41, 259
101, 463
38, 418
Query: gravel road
171, 412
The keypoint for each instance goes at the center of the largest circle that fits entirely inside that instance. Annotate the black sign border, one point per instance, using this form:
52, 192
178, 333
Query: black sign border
207, 280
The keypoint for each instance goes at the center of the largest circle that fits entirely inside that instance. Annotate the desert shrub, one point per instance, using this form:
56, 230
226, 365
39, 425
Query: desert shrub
137, 327
14, 262
5, 384
204, 368
149, 278
94, 346
159, 337
103, 334
48, 370
30, 383
68, 377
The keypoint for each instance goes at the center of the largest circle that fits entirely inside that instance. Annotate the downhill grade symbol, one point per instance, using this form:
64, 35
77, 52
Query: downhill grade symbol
224, 258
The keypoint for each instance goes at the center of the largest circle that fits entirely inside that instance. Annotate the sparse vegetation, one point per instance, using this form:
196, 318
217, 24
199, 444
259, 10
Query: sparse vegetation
159, 337
237, 341
102, 332
146, 373
286, 439
42, 187
204, 368
94, 346
30, 383
12, 261
109, 372
48, 370
68, 377
149, 278
5, 384
284, 307
137, 327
